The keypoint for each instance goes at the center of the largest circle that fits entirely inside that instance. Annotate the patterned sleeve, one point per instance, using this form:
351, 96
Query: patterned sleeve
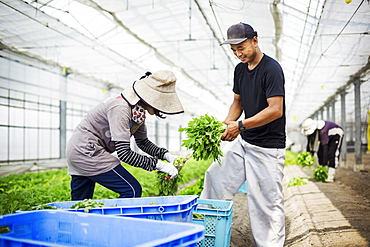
150, 148
125, 154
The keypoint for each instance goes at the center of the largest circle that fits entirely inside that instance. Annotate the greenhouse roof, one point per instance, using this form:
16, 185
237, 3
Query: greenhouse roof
322, 45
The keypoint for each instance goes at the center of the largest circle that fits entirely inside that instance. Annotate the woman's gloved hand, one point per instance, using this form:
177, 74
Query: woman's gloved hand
170, 157
168, 168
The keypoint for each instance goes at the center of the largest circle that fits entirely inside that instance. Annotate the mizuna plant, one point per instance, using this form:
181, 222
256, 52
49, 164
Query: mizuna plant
204, 138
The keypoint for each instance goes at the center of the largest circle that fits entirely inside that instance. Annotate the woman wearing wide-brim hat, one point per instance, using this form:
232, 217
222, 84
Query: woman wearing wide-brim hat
328, 136
108, 128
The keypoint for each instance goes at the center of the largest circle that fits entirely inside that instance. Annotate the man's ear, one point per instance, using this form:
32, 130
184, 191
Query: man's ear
255, 40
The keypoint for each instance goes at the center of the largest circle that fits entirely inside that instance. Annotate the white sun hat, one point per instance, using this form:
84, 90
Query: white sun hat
157, 90
309, 126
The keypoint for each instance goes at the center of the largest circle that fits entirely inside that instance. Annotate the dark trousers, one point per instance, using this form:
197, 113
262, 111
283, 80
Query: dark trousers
118, 180
329, 154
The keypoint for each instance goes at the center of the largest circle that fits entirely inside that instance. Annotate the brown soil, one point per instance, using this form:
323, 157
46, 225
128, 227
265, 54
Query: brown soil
318, 214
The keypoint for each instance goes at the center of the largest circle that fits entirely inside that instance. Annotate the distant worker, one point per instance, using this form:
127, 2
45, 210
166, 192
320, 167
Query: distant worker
108, 128
329, 136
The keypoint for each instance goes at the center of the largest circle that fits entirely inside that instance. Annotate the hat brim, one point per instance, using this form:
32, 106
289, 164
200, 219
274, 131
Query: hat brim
234, 41
308, 131
166, 102
130, 96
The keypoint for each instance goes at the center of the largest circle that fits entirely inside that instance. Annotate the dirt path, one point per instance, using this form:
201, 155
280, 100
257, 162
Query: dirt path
317, 214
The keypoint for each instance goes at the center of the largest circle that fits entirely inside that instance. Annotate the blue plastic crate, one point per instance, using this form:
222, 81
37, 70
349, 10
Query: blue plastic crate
217, 221
64, 228
243, 188
171, 208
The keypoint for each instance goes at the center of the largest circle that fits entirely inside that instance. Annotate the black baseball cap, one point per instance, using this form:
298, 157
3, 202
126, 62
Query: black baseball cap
238, 33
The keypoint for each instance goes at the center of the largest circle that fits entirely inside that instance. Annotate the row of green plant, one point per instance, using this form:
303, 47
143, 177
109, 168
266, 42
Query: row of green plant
23, 191
306, 161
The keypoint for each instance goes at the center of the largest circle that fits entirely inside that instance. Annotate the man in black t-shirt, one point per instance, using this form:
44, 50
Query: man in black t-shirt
257, 155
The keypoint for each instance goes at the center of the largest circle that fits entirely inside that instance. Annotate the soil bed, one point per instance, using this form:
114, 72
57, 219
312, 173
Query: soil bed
317, 214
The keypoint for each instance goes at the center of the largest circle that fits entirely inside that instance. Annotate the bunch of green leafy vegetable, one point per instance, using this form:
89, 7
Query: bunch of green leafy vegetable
167, 186
296, 181
320, 173
204, 138
44, 206
87, 205
305, 159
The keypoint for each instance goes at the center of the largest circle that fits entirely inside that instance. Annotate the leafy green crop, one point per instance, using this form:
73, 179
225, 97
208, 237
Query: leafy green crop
204, 138
296, 181
87, 205
195, 189
320, 173
305, 159
290, 158
169, 186
24, 191
44, 206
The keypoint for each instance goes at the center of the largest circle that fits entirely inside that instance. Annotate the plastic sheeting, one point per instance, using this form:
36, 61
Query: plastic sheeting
322, 45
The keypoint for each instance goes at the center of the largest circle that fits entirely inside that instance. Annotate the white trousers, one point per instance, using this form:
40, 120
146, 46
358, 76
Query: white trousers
262, 168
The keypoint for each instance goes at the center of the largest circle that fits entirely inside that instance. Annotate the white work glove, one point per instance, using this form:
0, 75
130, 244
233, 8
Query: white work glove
168, 168
170, 157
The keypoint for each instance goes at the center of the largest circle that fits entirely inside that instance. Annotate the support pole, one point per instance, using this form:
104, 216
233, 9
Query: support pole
63, 114
343, 124
62, 128
327, 112
358, 156
333, 111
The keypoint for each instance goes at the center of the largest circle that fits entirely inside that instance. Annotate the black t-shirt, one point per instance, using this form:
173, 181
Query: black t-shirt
255, 87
